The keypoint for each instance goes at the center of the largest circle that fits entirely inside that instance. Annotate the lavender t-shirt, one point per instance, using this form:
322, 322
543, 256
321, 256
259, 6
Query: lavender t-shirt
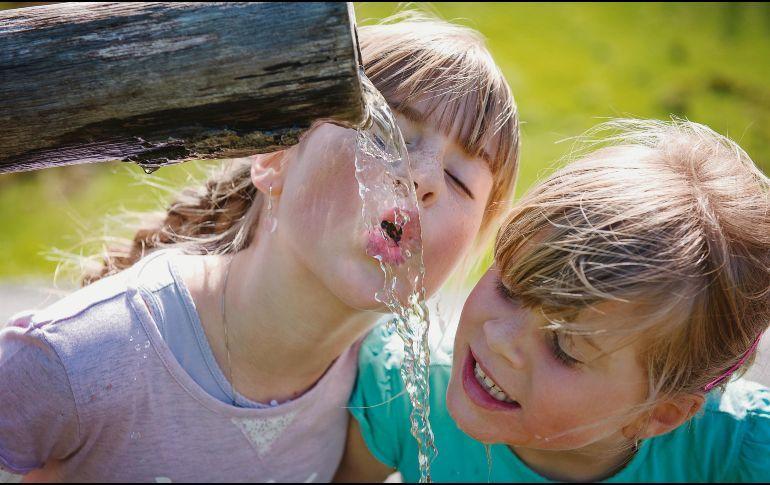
91, 392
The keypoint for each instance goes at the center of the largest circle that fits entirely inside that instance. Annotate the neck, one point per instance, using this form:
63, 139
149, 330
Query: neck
596, 462
284, 327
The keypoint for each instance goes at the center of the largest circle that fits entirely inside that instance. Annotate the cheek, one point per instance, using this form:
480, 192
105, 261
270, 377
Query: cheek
447, 237
321, 191
568, 412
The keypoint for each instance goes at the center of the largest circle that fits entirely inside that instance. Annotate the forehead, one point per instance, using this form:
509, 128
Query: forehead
451, 116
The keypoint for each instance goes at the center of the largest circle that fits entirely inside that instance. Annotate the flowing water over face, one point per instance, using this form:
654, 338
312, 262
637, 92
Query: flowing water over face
390, 212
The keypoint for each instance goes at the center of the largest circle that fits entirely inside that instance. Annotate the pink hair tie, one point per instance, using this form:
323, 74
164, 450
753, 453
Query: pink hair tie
727, 374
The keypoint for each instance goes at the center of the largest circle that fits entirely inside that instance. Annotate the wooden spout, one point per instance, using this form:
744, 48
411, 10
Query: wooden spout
162, 82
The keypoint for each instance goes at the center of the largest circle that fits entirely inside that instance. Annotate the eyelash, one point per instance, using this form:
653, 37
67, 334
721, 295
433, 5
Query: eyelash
560, 355
504, 291
460, 184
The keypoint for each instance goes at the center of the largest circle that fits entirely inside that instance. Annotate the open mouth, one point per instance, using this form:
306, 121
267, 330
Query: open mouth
394, 241
491, 386
483, 390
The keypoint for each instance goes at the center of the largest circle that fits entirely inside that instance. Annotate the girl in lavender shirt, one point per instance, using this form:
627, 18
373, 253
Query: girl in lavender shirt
221, 344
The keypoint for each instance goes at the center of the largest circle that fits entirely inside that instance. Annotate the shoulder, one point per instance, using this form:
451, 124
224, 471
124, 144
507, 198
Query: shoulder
742, 399
92, 331
382, 351
81, 300
74, 322
728, 440
80, 322
40, 418
379, 401
382, 355
745, 407
380, 360
99, 312
380, 387
742, 409
79, 332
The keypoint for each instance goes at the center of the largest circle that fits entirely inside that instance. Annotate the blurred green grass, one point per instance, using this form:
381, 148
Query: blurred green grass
569, 66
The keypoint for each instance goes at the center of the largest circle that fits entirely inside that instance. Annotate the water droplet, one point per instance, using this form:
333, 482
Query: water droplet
147, 344
135, 435
137, 347
144, 356
148, 169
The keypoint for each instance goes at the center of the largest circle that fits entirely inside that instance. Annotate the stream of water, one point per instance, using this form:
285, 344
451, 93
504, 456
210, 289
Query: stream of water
390, 212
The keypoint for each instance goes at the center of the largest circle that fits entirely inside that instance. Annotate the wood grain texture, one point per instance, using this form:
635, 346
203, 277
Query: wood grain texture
162, 82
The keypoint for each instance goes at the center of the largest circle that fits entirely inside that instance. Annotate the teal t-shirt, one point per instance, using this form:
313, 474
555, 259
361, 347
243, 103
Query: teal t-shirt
729, 440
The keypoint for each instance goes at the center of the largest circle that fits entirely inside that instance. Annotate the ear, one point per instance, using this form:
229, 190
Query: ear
665, 416
267, 170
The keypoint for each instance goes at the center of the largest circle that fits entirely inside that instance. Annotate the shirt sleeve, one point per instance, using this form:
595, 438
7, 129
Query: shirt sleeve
379, 402
753, 463
38, 417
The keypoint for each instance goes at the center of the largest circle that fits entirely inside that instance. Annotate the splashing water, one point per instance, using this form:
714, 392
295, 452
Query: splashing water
390, 212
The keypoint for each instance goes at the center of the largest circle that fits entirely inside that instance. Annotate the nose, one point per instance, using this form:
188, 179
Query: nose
428, 169
506, 338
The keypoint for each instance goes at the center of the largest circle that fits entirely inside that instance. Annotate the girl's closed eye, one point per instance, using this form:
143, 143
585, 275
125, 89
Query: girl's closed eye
458, 183
409, 130
504, 292
558, 351
411, 138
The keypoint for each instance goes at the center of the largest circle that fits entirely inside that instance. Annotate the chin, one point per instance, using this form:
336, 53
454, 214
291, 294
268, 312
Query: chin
472, 421
358, 292
364, 302
358, 286
480, 432
463, 415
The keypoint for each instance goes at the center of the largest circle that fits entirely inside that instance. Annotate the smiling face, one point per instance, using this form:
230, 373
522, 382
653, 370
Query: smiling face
543, 390
319, 209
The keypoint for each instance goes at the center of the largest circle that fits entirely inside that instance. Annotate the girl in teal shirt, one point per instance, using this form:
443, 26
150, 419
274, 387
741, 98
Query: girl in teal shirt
626, 290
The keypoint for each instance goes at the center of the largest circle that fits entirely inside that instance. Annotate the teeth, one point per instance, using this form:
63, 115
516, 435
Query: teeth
490, 386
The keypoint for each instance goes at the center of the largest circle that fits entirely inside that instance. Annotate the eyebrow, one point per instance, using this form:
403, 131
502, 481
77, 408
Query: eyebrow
417, 116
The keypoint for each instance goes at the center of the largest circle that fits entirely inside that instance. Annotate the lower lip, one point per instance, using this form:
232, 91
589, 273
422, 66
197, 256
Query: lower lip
384, 249
477, 394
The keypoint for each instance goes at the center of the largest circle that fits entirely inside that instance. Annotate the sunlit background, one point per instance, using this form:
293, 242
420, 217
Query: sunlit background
570, 66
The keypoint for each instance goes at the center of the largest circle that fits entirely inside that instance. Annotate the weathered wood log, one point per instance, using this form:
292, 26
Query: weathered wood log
162, 82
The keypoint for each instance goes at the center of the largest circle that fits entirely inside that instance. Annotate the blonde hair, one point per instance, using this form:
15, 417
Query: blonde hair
668, 215
415, 57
